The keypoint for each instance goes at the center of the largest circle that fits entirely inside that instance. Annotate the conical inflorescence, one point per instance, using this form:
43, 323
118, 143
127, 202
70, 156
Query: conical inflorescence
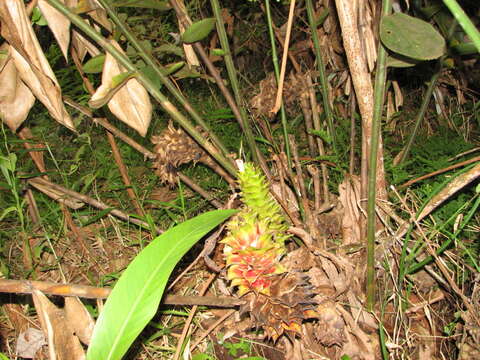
256, 239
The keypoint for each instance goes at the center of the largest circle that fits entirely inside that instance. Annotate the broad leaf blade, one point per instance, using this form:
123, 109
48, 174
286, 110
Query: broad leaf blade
411, 37
198, 30
136, 296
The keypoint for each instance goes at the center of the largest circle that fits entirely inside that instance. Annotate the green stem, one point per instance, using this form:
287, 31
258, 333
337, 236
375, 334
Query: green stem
415, 267
421, 112
276, 68
322, 72
160, 71
232, 75
464, 21
149, 85
380, 79
427, 97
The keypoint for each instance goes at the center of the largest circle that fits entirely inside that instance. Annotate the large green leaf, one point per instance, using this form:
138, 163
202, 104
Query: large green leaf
135, 298
198, 30
411, 37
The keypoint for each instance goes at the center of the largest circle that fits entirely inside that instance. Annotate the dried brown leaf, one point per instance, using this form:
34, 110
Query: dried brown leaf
79, 319
16, 99
31, 63
62, 343
29, 342
190, 54
131, 104
455, 185
95, 11
349, 197
58, 23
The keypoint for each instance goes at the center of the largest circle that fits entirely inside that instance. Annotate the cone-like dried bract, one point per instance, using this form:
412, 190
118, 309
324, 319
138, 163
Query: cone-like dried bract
173, 148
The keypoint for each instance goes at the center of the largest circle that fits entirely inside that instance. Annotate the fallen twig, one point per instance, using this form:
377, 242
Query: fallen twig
438, 172
186, 328
95, 203
92, 292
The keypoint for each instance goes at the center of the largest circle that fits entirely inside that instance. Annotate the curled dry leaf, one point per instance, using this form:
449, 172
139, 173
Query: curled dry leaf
16, 99
95, 11
59, 24
130, 103
349, 197
447, 192
31, 64
62, 343
83, 46
79, 318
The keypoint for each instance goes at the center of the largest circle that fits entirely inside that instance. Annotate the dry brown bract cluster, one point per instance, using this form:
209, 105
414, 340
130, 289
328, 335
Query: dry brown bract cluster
174, 148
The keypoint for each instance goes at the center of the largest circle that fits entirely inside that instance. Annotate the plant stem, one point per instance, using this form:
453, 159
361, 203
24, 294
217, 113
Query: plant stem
428, 95
464, 21
380, 78
421, 112
159, 71
152, 89
232, 75
322, 73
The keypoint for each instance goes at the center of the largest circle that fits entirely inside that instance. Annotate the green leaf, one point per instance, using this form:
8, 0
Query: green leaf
397, 61
321, 134
120, 79
218, 52
94, 65
151, 74
147, 4
7, 211
135, 298
198, 30
411, 37
37, 17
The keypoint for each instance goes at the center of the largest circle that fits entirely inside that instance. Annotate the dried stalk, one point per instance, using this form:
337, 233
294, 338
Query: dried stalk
111, 140
146, 153
303, 192
95, 203
186, 327
283, 68
317, 126
92, 292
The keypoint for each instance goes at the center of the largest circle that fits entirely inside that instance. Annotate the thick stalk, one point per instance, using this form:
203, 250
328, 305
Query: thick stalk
232, 75
152, 89
379, 94
159, 71
322, 72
